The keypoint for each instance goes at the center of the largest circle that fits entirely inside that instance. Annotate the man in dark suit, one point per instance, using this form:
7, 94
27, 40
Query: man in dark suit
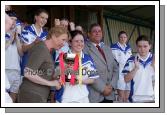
102, 91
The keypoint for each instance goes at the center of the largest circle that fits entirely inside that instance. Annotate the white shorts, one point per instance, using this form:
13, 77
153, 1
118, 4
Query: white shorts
14, 78
8, 99
122, 85
83, 100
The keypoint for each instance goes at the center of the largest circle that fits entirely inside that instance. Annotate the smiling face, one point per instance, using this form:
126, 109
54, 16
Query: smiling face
41, 19
143, 48
77, 43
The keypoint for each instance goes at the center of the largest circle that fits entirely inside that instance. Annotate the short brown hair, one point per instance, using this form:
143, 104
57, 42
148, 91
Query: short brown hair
57, 31
143, 38
122, 32
39, 11
93, 25
74, 33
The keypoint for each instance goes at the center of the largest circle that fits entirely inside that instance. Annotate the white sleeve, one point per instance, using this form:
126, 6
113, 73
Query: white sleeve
115, 55
128, 67
27, 37
90, 71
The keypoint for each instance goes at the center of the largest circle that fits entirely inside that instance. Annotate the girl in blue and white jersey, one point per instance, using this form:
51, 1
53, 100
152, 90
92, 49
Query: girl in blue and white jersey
32, 34
121, 52
140, 73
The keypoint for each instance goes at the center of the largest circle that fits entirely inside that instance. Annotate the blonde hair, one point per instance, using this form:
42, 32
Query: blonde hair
57, 31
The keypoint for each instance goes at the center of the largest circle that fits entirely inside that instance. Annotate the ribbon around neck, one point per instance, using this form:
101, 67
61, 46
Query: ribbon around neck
80, 69
62, 68
75, 68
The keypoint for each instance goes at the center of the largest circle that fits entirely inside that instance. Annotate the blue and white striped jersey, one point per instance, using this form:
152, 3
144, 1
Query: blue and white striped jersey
88, 64
121, 55
29, 34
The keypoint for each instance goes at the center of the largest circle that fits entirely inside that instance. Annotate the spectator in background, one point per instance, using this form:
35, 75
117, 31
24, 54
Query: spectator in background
78, 27
121, 52
64, 22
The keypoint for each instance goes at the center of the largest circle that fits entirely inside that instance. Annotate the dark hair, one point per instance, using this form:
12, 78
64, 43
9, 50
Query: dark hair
121, 32
64, 18
93, 25
39, 11
74, 33
143, 38
11, 13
